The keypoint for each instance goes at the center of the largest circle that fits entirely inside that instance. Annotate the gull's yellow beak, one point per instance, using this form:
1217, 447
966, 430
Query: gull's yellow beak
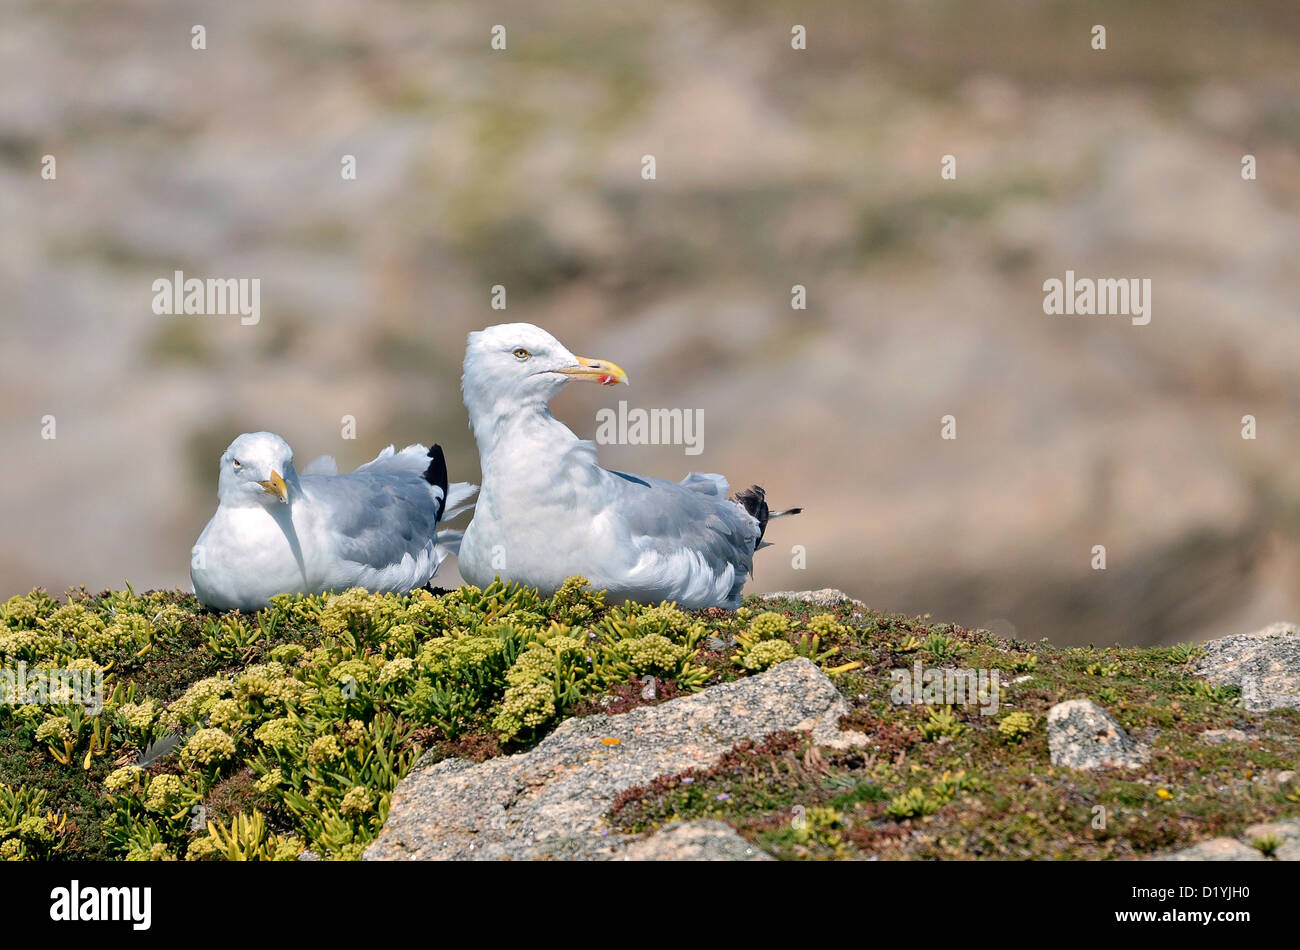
275, 486
596, 371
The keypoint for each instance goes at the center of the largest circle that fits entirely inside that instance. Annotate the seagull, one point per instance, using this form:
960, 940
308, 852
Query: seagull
547, 510
278, 532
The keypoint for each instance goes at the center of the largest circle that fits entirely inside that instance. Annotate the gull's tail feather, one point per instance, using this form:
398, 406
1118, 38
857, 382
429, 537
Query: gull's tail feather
447, 543
431, 464
754, 500
460, 498
413, 458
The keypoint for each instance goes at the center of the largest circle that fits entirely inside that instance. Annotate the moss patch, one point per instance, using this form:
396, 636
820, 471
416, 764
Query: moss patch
244, 736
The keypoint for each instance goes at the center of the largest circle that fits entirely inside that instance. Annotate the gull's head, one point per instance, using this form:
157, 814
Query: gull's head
514, 366
257, 469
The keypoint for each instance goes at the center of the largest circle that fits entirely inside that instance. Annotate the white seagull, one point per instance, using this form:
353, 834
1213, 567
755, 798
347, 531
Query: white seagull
276, 532
547, 510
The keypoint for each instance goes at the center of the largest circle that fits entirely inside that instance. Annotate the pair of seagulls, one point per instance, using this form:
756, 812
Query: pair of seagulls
546, 509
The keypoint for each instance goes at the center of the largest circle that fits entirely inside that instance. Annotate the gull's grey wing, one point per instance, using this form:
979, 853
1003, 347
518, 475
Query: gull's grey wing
693, 515
322, 465
375, 518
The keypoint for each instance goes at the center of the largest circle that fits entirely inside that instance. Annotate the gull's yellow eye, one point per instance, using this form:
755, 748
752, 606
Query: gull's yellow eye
522, 354
236, 463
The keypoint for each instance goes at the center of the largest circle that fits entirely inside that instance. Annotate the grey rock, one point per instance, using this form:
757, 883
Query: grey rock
1265, 664
1286, 832
1216, 849
1217, 736
1082, 735
826, 597
691, 841
1288, 850
550, 801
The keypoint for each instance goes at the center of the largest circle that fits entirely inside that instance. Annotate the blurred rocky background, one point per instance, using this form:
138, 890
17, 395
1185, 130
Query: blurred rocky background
775, 167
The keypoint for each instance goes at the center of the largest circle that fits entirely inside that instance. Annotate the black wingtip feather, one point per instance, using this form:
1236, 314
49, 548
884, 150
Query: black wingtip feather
754, 500
436, 474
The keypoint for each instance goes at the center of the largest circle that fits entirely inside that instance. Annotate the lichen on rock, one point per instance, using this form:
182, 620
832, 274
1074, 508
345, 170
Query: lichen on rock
1082, 735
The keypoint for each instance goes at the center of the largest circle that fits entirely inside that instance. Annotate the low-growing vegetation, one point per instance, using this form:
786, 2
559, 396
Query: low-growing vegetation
254, 737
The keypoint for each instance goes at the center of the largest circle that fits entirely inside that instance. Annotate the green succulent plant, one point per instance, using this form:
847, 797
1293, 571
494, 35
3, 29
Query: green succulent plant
1016, 726
940, 722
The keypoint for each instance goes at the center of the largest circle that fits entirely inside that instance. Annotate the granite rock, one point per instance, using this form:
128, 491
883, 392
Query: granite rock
1082, 735
1216, 849
691, 841
1265, 664
550, 801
